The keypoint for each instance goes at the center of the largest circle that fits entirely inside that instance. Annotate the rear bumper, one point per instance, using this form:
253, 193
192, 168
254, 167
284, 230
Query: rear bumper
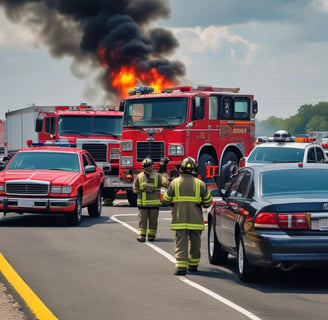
266, 249
42, 205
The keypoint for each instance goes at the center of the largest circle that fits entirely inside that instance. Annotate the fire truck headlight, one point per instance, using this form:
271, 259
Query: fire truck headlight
61, 189
126, 161
2, 187
115, 153
126, 145
176, 150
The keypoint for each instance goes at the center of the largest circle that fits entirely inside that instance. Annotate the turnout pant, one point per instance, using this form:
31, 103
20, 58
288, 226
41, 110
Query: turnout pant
148, 221
187, 248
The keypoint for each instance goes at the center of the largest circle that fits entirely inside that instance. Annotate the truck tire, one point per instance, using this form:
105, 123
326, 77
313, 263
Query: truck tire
205, 160
74, 218
94, 209
132, 198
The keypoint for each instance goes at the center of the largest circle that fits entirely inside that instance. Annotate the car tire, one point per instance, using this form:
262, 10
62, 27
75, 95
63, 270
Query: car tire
216, 255
132, 198
74, 218
246, 271
94, 209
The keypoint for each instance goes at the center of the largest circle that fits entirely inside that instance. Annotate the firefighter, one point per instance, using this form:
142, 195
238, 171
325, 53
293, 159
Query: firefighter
188, 194
147, 186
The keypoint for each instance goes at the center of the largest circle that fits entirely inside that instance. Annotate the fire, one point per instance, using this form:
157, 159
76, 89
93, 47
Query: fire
124, 80
127, 78
156, 80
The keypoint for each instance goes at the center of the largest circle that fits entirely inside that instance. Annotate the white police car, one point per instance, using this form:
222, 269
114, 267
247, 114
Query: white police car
283, 148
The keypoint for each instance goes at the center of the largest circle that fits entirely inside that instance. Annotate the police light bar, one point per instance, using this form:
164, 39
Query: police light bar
57, 143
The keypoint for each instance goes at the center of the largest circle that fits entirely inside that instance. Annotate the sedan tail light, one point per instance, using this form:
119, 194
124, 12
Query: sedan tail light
294, 221
272, 220
266, 220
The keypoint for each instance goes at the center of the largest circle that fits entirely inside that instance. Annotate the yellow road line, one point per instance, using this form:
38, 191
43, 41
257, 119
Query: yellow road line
26, 293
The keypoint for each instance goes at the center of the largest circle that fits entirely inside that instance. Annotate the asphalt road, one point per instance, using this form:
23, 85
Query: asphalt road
99, 271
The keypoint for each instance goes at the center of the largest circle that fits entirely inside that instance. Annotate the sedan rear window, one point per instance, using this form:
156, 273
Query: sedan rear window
276, 154
294, 181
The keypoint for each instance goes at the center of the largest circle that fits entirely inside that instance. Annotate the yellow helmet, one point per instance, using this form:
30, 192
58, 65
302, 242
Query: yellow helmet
188, 165
147, 162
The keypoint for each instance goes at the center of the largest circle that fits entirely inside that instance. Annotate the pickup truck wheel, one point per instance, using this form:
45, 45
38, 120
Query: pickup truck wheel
74, 218
94, 210
132, 198
216, 255
246, 271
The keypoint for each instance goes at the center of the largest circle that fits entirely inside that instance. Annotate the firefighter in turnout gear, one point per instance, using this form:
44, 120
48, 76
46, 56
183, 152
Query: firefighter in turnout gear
147, 186
187, 194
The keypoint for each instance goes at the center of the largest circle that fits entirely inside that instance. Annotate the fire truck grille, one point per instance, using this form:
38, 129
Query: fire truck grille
34, 189
152, 149
98, 151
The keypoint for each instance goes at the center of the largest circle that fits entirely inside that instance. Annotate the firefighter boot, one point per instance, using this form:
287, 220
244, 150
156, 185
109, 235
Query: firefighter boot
180, 272
141, 238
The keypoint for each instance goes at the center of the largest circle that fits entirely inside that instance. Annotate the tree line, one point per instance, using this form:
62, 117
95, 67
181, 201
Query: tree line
308, 118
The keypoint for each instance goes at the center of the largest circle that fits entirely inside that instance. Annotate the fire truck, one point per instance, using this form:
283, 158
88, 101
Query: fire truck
212, 125
82, 126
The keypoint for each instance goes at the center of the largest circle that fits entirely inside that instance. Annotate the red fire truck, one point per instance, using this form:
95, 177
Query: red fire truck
212, 125
98, 131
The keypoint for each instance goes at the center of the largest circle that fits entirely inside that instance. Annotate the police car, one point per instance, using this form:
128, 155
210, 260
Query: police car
283, 148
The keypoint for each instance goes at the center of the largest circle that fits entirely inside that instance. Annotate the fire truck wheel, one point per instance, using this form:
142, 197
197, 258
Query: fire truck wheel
132, 198
94, 210
205, 160
74, 218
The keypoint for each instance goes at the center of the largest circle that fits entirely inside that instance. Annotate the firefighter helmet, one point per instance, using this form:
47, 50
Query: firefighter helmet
188, 165
147, 162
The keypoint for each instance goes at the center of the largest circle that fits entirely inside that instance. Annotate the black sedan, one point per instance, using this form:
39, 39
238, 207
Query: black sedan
271, 216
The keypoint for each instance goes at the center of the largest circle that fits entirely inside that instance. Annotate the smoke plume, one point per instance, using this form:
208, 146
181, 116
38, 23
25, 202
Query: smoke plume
105, 35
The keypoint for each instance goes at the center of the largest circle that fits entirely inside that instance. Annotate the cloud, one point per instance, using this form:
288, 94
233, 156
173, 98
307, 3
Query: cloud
214, 39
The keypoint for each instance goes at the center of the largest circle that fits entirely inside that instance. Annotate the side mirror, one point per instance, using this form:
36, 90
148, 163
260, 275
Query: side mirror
121, 107
255, 107
90, 168
38, 124
2, 166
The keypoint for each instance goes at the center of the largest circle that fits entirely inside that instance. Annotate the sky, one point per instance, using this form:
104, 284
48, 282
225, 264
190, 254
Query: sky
274, 49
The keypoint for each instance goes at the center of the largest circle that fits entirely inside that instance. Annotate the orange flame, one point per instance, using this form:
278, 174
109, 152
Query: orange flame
127, 78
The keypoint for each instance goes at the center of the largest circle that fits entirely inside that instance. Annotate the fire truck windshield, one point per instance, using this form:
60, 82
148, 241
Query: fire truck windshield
90, 125
155, 112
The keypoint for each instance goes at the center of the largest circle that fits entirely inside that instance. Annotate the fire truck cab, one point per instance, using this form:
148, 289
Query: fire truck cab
95, 130
212, 125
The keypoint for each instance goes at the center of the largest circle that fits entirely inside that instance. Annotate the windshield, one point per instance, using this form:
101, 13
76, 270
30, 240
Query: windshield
294, 181
276, 154
155, 112
45, 161
90, 125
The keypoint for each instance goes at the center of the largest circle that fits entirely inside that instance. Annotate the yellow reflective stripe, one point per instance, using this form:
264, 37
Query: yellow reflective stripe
167, 198
181, 264
193, 262
141, 201
155, 184
178, 198
188, 226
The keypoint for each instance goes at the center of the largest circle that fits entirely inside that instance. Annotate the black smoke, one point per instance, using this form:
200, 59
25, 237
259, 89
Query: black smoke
107, 33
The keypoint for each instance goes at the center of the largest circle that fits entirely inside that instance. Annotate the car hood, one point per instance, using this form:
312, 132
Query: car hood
53, 176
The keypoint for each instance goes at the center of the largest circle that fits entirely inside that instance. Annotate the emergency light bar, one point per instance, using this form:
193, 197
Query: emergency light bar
141, 90
56, 143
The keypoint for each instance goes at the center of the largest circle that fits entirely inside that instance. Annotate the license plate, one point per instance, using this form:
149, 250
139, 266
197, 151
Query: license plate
26, 203
323, 224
